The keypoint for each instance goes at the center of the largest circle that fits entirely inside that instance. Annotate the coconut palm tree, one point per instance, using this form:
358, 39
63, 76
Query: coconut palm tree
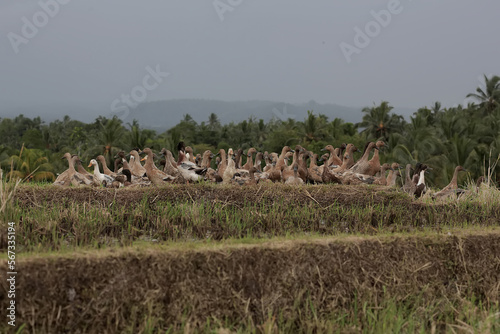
489, 95
379, 123
314, 128
109, 138
30, 165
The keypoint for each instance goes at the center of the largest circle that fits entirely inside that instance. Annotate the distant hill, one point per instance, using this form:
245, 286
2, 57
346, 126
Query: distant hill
165, 114
162, 115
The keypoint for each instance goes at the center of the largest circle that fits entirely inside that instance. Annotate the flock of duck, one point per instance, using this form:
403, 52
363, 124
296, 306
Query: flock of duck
290, 167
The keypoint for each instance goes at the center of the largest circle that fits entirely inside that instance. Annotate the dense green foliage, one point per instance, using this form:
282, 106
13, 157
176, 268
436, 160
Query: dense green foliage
440, 137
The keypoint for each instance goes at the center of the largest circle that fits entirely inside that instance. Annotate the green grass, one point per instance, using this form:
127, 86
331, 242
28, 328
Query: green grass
389, 316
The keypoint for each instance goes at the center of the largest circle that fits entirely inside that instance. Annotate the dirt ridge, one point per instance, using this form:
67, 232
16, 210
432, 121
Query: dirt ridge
113, 293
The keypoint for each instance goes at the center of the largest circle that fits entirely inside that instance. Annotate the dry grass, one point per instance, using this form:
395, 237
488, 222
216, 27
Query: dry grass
410, 284
55, 219
7, 192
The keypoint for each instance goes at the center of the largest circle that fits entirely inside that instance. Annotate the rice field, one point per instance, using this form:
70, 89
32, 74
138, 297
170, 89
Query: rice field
257, 259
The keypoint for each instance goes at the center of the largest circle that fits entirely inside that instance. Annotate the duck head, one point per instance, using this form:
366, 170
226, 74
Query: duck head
327, 148
93, 162
380, 144
181, 146
251, 151
120, 154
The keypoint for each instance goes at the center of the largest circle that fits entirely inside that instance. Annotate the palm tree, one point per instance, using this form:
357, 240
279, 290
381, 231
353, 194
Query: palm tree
30, 165
139, 137
489, 97
313, 128
379, 123
213, 122
109, 137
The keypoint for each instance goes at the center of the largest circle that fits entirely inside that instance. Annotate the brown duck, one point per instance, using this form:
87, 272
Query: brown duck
452, 188
156, 176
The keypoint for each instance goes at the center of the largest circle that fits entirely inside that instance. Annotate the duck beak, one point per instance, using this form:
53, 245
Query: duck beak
63, 158
143, 159
323, 149
90, 165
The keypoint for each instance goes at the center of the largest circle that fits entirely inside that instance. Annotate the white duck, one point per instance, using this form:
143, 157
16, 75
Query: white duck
100, 178
188, 169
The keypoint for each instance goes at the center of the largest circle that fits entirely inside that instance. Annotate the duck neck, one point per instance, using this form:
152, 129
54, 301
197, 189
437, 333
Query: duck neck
376, 157
105, 168
341, 150
281, 158
205, 163
181, 158
407, 176
96, 169
391, 176
117, 163
421, 179
350, 159
313, 161
223, 160
454, 180
333, 159
366, 155
239, 160
81, 170
295, 157
71, 163
125, 164
258, 163
336, 151
137, 160
249, 163
382, 173
230, 161
149, 161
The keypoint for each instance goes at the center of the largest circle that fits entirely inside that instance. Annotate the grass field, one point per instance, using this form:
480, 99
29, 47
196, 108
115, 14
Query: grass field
264, 259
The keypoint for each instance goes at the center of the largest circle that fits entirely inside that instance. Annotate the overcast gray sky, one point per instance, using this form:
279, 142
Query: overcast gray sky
91, 52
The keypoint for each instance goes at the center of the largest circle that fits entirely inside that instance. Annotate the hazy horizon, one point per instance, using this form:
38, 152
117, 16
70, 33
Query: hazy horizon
91, 55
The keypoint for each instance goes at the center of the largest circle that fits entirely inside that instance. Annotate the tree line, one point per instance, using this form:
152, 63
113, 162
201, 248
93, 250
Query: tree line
439, 137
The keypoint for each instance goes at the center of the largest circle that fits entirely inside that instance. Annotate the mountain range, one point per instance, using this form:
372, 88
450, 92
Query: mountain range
164, 114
